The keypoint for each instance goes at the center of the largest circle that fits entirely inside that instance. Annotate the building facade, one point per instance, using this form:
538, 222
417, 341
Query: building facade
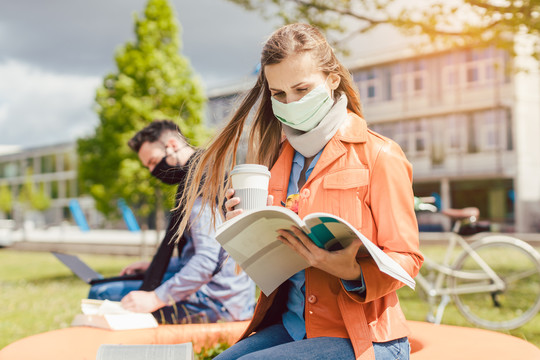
467, 122
52, 169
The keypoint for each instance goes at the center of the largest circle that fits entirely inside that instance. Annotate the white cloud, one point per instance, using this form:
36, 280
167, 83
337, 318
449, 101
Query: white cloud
50, 69
38, 107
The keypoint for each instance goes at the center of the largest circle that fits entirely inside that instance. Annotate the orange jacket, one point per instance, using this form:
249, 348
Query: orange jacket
364, 178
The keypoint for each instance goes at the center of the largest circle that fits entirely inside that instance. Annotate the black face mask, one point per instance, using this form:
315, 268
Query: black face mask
170, 174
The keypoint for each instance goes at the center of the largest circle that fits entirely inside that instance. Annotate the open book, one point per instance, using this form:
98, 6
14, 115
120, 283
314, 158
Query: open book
146, 352
251, 240
111, 315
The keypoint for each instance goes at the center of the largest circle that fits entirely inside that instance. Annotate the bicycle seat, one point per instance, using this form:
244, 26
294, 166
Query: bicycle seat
460, 214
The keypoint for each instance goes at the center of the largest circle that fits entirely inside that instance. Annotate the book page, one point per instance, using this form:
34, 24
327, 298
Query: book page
329, 226
145, 352
131, 321
251, 240
329, 233
111, 315
99, 307
275, 267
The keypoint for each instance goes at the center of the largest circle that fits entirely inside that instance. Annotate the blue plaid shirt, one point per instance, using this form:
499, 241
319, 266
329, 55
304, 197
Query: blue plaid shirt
293, 318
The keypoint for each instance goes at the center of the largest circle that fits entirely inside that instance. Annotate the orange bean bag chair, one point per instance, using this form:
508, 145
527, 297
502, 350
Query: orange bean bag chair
82, 342
428, 341
445, 342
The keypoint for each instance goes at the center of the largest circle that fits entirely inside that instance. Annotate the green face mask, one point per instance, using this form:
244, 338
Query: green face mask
306, 113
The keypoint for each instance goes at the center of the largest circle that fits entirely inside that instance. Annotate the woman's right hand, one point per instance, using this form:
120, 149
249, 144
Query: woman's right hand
230, 204
233, 201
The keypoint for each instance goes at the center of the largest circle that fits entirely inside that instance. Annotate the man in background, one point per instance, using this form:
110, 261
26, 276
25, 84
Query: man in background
198, 285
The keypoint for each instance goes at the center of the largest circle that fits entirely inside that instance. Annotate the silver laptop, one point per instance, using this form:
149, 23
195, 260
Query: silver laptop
89, 275
78, 267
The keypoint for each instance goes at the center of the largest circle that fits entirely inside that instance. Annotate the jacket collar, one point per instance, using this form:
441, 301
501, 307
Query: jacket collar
354, 130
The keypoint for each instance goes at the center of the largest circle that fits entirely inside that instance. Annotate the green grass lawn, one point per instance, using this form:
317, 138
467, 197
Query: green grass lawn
38, 293
416, 309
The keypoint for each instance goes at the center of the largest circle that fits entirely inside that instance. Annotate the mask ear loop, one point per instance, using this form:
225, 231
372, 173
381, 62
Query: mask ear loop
331, 90
170, 152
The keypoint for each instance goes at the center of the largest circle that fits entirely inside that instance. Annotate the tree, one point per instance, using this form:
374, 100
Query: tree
442, 22
6, 199
33, 198
153, 81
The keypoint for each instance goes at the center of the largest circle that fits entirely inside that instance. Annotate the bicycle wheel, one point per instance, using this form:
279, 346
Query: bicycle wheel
518, 266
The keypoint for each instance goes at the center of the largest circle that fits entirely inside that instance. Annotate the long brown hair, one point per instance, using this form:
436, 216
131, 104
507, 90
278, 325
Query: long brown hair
265, 135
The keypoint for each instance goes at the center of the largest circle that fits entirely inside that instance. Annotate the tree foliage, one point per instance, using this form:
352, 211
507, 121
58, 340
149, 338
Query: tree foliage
6, 199
32, 197
442, 22
153, 81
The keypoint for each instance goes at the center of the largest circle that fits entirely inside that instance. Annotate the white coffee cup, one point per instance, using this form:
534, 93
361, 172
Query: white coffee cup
250, 184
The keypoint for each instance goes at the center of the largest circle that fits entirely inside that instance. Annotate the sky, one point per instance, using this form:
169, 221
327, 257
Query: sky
54, 54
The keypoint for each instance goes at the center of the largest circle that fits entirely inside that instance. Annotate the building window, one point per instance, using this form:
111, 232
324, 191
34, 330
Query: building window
452, 77
11, 170
490, 71
369, 85
509, 132
402, 136
387, 83
385, 129
399, 80
47, 164
371, 91
409, 78
71, 188
449, 71
472, 65
472, 68
472, 143
437, 141
421, 137
489, 130
472, 75
54, 189
456, 137
418, 75
413, 136
418, 84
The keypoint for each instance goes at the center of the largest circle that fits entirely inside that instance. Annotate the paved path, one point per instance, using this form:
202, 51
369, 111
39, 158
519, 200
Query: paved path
144, 243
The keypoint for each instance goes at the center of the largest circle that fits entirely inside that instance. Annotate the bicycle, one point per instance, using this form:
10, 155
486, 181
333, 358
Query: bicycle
494, 282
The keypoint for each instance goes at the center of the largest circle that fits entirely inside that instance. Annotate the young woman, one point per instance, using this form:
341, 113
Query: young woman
308, 129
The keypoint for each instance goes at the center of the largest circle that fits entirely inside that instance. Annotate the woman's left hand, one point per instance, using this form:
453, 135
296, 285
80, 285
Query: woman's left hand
341, 263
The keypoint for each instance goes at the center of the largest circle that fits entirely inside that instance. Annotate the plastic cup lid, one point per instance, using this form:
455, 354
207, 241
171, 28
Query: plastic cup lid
250, 168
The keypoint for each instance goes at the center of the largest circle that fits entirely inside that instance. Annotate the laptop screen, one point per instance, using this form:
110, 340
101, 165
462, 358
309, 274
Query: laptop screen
78, 267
